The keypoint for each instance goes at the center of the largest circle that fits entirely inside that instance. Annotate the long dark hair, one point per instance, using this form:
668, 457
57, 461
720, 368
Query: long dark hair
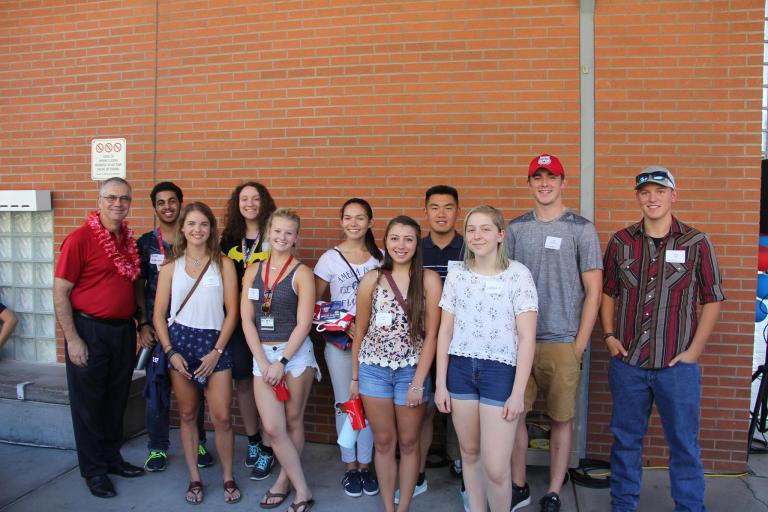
211, 245
415, 300
234, 227
370, 241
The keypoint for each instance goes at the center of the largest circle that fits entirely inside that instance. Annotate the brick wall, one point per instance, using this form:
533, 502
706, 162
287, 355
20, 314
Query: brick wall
327, 99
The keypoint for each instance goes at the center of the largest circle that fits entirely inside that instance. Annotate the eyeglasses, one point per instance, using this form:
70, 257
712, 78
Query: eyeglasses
266, 306
111, 199
661, 176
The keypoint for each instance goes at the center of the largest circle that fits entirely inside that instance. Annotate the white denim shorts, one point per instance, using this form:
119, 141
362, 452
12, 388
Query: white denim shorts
303, 358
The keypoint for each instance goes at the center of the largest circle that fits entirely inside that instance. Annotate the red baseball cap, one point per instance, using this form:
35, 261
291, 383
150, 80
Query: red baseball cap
548, 162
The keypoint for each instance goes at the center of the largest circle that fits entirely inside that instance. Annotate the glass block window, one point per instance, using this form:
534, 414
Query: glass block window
26, 284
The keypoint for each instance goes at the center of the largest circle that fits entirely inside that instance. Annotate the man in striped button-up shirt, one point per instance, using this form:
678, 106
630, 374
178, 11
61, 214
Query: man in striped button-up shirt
655, 271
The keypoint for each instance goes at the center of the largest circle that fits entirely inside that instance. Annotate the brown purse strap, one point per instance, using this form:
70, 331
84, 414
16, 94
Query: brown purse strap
395, 290
194, 286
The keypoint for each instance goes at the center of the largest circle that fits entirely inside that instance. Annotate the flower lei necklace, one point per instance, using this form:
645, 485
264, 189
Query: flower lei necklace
126, 262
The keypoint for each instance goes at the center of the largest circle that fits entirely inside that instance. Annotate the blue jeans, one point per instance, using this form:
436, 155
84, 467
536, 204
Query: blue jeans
489, 382
384, 382
677, 392
157, 422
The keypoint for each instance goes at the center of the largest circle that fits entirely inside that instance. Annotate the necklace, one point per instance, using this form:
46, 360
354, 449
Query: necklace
196, 261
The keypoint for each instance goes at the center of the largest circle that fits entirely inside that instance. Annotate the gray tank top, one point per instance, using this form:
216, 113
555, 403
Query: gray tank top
284, 304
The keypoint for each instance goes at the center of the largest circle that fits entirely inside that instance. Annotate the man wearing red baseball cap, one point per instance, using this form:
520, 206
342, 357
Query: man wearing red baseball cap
562, 251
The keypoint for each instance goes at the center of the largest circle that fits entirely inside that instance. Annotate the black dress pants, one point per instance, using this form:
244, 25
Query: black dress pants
98, 393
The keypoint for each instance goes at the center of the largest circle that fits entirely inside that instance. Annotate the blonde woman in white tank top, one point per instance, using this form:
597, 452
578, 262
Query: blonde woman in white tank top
195, 338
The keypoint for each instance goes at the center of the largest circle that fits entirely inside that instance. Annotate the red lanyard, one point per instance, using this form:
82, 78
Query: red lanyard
267, 289
159, 236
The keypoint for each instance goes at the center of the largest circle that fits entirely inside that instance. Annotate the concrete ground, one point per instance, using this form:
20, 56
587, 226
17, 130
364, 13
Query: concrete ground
40, 479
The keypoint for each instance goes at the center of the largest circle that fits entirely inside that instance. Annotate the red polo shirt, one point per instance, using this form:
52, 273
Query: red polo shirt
99, 289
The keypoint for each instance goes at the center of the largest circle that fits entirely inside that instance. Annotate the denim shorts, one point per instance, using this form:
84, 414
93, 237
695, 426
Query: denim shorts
301, 360
490, 382
384, 382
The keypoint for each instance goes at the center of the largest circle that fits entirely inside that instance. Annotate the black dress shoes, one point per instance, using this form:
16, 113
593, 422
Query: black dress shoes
100, 486
125, 470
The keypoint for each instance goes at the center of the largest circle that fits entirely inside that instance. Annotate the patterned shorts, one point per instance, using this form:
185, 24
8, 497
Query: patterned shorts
193, 344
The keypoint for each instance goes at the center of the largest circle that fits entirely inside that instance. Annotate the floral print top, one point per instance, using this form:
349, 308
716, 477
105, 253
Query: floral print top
387, 341
484, 309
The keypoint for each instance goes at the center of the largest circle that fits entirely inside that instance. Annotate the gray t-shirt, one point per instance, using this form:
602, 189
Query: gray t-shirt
557, 253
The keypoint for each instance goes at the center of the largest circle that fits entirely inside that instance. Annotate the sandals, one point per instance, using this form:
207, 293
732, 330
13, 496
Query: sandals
231, 492
194, 494
303, 506
266, 504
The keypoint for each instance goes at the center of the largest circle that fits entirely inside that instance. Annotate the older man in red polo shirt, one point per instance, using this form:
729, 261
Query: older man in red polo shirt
94, 301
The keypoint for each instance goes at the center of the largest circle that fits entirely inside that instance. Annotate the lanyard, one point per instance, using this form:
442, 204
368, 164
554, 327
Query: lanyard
159, 236
248, 250
267, 289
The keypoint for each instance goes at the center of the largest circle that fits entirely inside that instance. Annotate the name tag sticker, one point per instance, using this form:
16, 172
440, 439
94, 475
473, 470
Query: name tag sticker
494, 287
156, 259
253, 293
267, 323
383, 319
454, 264
553, 242
210, 281
675, 256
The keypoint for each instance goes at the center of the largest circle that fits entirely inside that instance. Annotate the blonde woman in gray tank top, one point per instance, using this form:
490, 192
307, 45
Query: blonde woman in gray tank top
276, 306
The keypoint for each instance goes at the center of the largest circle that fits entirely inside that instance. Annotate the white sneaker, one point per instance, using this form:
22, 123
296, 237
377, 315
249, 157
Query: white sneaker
420, 489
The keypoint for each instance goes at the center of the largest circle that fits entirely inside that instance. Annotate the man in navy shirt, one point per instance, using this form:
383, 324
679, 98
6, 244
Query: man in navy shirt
155, 248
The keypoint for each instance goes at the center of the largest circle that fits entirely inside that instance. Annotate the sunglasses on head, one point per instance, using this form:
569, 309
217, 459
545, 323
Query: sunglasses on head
652, 176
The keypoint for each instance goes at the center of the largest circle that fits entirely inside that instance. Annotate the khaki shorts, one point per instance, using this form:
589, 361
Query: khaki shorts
556, 371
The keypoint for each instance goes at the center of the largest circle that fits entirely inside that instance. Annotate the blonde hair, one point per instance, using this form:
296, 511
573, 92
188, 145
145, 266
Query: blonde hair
502, 260
284, 213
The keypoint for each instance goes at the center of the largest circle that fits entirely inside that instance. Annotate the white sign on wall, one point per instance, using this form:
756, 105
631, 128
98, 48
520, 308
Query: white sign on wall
107, 159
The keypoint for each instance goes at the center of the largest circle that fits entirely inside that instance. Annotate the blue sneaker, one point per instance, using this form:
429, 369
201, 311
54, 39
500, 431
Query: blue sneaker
263, 466
156, 461
204, 458
352, 483
419, 489
464, 499
253, 454
369, 481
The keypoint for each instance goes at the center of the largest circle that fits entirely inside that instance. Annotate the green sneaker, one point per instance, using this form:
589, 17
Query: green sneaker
156, 461
204, 458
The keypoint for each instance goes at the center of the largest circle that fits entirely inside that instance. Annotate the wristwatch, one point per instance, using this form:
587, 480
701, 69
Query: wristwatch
219, 350
284, 360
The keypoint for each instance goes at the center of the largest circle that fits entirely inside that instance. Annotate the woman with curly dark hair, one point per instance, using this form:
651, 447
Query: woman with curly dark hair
243, 241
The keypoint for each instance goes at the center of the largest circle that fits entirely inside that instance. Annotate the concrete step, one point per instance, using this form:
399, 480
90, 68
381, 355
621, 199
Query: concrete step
34, 405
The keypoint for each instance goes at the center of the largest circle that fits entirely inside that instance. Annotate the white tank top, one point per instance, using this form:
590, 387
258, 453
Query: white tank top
205, 308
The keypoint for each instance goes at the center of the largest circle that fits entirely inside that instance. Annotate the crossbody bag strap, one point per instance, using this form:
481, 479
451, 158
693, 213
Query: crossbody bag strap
395, 290
194, 286
348, 264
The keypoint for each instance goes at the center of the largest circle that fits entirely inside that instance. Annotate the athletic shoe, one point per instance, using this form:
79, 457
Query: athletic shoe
263, 466
521, 497
156, 461
369, 481
550, 502
420, 489
352, 483
204, 458
253, 454
455, 468
464, 499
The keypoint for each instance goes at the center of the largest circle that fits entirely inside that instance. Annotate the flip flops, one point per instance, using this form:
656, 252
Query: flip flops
303, 506
194, 494
230, 488
281, 496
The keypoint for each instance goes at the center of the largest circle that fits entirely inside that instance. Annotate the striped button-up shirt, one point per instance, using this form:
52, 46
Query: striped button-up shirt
656, 289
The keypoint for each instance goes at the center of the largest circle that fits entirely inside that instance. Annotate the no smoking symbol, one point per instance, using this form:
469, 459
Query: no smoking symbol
108, 147
117, 147
99, 147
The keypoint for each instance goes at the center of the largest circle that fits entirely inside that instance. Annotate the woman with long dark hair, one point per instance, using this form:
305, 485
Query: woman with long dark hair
393, 349
244, 242
340, 270
200, 286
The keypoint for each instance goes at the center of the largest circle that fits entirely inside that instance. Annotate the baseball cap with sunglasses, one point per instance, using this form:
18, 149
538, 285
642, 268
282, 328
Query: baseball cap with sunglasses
655, 174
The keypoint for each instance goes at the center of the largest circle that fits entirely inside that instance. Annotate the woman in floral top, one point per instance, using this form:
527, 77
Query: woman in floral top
485, 350
397, 322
